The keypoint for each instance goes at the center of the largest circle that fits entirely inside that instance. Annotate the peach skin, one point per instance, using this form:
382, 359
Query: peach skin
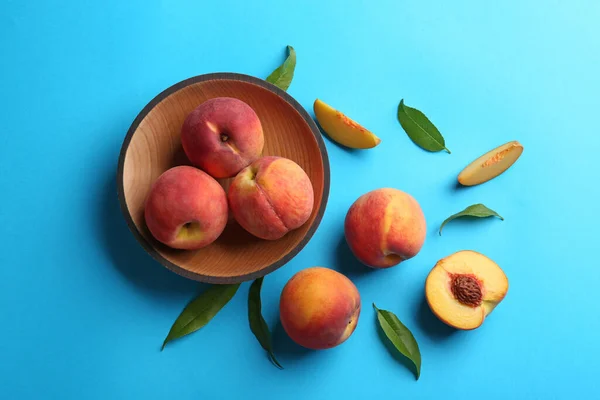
385, 227
319, 308
222, 136
464, 288
186, 208
271, 197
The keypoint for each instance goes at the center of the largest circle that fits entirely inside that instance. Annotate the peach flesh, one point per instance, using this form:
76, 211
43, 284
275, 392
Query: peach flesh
342, 129
464, 288
491, 164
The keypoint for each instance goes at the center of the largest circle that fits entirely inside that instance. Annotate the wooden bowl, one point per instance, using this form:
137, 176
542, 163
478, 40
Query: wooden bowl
153, 145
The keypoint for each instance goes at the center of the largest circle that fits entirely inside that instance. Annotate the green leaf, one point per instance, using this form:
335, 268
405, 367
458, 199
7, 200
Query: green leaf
420, 129
282, 76
476, 210
201, 310
402, 339
257, 322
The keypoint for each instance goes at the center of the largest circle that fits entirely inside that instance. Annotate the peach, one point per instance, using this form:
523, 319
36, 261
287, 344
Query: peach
342, 129
222, 136
491, 164
464, 288
271, 197
385, 227
186, 208
319, 308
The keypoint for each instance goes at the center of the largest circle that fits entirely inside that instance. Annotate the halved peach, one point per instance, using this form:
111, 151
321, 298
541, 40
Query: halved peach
491, 164
342, 129
465, 287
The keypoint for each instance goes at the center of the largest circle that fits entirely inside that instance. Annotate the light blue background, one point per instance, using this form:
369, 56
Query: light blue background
84, 309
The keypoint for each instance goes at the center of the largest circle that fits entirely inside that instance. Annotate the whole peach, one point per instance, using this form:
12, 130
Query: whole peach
319, 308
271, 197
222, 136
385, 227
186, 208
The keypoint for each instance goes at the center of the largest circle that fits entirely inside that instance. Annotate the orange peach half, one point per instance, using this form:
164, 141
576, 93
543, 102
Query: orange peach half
186, 208
464, 288
319, 308
271, 197
342, 129
385, 227
491, 164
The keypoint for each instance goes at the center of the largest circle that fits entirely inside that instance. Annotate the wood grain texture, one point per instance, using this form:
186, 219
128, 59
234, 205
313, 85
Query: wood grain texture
153, 145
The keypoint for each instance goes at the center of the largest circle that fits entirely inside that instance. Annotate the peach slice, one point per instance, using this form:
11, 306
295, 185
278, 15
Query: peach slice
342, 129
491, 164
465, 287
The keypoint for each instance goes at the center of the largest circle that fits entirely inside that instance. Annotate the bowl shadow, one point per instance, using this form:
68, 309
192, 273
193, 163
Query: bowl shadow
431, 325
127, 256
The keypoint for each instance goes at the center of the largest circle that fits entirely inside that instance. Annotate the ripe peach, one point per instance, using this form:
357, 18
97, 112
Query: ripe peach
222, 136
186, 208
319, 308
385, 227
271, 197
465, 287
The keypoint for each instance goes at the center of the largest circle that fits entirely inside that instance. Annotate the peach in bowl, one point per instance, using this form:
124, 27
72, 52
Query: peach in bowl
153, 146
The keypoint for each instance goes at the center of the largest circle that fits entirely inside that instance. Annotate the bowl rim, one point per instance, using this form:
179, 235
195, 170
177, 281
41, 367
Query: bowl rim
149, 248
